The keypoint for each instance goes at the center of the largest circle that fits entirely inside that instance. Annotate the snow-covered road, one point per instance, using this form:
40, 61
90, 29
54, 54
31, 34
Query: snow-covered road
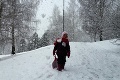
88, 61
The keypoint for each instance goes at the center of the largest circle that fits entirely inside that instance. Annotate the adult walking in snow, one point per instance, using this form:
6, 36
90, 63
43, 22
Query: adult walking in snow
62, 49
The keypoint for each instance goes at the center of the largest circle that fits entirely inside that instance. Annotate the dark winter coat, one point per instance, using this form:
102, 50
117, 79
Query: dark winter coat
62, 49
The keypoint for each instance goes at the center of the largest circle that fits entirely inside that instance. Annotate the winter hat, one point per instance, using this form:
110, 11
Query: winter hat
64, 33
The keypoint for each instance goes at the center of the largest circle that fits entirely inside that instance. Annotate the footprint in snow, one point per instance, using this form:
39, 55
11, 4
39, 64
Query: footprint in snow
50, 75
47, 57
40, 76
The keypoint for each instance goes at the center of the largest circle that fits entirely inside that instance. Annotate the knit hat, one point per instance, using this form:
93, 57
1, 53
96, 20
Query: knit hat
64, 33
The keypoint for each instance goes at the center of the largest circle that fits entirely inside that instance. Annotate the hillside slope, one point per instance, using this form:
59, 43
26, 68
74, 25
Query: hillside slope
88, 61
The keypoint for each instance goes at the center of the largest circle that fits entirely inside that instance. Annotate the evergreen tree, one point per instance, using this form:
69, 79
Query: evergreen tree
44, 41
96, 16
33, 43
23, 46
16, 17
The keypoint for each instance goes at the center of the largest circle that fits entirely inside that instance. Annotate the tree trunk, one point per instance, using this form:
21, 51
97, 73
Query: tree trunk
102, 6
13, 26
1, 8
101, 38
95, 36
13, 39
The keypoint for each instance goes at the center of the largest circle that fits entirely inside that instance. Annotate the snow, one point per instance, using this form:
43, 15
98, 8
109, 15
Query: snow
2, 56
88, 61
46, 8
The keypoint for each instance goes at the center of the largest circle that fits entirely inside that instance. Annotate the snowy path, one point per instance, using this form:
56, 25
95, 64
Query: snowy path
88, 61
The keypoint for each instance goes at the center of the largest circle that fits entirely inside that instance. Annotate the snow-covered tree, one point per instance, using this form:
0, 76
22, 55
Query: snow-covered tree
44, 41
15, 20
72, 20
93, 16
56, 24
33, 43
22, 46
97, 17
115, 22
72, 23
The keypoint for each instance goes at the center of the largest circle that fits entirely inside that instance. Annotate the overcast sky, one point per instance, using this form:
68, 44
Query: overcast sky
46, 7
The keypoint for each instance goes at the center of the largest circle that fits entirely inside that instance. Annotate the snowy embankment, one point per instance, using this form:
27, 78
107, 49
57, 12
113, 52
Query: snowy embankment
88, 61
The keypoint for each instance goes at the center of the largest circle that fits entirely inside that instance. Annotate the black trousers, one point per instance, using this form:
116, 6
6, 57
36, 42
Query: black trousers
61, 59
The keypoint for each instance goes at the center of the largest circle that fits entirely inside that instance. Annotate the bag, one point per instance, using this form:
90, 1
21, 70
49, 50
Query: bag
54, 63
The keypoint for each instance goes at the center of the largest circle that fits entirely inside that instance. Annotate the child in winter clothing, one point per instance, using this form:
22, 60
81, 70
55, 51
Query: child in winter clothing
62, 49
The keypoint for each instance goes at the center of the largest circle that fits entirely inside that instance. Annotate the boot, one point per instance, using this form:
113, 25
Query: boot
63, 66
59, 68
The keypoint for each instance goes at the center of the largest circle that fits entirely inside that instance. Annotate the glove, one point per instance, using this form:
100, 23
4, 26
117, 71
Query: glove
53, 52
68, 54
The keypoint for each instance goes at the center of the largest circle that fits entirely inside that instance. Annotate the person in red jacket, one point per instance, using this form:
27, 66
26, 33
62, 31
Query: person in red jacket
62, 49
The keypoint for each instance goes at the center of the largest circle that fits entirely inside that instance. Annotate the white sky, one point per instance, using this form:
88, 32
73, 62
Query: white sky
46, 7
